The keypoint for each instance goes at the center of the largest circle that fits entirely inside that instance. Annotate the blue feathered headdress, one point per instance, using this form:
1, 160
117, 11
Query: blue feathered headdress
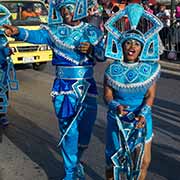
81, 9
133, 23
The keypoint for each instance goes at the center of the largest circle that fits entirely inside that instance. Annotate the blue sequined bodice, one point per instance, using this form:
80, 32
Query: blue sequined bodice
131, 81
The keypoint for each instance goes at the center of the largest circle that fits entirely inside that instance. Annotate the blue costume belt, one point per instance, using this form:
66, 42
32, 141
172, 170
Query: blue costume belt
74, 72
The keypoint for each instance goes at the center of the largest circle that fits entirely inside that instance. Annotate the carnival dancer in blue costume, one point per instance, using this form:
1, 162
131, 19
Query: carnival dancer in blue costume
76, 46
129, 90
6, 67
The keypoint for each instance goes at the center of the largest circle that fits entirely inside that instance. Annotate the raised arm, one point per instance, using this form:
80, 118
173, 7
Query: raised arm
40, 36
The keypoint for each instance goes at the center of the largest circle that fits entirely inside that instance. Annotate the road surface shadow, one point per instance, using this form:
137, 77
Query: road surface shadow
164, 161
162, 164
170, 76
39, 146
36, 143
22, 66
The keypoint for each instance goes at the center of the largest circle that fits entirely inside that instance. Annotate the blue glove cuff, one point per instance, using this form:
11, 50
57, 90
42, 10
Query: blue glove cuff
145, 110
113, 105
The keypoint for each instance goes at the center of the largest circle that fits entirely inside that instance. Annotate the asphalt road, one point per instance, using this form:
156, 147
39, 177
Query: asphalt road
28, 150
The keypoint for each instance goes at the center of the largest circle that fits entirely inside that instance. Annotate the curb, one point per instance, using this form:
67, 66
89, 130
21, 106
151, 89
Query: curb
171, 65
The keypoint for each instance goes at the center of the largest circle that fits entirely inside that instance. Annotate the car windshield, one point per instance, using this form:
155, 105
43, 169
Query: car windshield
26, 13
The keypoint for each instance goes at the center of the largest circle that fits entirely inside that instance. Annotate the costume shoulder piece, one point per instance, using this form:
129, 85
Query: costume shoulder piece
93, 34
69, 37
65, 36
66, 39
132, 76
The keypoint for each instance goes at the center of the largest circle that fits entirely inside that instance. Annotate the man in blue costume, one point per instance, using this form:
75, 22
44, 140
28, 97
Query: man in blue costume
129, 90
76, 46
6, 67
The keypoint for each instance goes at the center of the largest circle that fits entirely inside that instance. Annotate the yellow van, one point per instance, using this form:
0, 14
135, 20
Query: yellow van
28, 14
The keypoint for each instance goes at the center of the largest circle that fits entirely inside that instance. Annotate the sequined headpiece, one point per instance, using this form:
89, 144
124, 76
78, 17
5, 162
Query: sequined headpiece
118, 32
81, 9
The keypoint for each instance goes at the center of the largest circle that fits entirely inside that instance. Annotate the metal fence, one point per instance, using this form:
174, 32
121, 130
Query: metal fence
170, 36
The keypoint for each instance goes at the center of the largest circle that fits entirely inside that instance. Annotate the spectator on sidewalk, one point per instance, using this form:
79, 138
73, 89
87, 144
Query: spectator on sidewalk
95, 16
164, 16
107, 9
155, 8
147, 8
177, 14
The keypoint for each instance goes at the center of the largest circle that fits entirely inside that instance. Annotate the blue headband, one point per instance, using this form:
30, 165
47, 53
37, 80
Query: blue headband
137, 35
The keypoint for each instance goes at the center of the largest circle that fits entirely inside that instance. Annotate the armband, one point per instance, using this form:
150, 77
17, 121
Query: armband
145, 110
113, 105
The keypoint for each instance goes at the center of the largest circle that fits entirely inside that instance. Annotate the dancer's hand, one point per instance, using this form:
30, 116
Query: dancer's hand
122, 110
85, 48
141, 122
10, 30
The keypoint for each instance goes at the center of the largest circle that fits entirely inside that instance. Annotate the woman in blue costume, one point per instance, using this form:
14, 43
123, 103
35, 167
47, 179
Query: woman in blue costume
76, 46
129, 91
6, 66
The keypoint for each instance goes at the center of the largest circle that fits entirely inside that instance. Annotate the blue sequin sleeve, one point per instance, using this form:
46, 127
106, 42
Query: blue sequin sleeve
40, 36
